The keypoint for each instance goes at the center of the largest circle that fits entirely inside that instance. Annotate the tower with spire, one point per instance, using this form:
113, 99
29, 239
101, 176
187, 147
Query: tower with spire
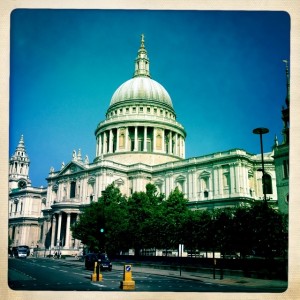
19, 167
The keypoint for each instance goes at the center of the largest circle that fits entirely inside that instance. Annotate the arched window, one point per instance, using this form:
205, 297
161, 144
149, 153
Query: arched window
268, 184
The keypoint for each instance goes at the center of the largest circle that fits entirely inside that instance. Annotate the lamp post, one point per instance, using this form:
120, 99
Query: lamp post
262, 131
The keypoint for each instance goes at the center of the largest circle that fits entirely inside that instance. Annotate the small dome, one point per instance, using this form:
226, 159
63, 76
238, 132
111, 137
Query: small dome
141, 88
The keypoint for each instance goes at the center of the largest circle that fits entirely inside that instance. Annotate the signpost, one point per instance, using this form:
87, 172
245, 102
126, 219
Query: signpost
127, 284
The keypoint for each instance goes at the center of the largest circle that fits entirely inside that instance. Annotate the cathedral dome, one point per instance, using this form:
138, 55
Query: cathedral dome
144, 89
141, 88
140, 124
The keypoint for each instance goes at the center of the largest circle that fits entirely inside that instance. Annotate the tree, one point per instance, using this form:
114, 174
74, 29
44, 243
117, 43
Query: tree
242, 231
108, 214
269, 231
143, 210
115, 219
174, 217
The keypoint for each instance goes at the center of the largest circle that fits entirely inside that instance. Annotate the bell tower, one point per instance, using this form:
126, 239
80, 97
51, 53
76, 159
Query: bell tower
19, 167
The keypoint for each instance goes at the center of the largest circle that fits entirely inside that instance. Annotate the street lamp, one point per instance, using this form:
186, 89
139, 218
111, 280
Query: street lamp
262, 131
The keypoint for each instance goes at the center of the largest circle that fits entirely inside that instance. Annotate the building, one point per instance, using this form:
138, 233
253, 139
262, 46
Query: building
140, 141
281, 153
26, 203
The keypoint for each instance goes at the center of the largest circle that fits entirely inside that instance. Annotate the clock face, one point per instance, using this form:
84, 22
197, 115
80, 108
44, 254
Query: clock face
22, 184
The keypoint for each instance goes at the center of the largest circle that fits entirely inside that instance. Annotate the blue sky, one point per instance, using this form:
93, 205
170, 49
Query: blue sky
222, 69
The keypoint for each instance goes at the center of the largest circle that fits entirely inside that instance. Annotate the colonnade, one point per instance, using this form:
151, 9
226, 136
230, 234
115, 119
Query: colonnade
140, 138
61, 233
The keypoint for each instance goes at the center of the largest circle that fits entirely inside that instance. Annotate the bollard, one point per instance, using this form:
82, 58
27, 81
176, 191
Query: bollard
96, 276
127, 284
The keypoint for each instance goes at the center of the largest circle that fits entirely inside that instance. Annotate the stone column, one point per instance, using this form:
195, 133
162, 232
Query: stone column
97, 146
163, 141
59, 226
145, 138
154, 139
67, 243
100, 145
180, 146
126, 139
104, 142
53, 228
220, 183
135, 138
216, 191
110, 141
176, 144
118, 137
195, 185
170, 143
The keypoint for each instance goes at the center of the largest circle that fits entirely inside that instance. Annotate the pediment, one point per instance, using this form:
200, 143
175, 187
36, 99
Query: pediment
204, 174
180, 178
71, 168
119, 181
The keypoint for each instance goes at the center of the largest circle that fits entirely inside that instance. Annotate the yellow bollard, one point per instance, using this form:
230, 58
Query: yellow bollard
95, 276
127, 283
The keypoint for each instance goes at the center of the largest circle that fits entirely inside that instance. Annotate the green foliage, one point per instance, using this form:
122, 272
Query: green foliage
147, 220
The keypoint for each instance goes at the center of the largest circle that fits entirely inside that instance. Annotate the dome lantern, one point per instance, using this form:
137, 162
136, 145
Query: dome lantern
142, 61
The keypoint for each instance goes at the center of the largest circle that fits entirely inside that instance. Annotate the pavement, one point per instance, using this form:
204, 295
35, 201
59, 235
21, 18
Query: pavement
203, 275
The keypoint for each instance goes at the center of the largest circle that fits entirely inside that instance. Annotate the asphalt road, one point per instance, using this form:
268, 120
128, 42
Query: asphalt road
44, 274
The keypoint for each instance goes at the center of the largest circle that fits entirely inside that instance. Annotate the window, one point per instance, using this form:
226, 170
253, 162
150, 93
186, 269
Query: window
204, 183
134, 109
122, 141
285, 168
141, 109
159, 142
205, 194
148, 109
268, 184
73, 189
226, 179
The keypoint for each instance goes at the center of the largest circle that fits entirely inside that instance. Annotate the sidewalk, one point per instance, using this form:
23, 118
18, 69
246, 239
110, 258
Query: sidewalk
205, 277
201, 275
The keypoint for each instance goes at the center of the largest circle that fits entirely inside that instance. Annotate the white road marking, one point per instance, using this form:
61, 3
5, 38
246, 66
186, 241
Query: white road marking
100, 285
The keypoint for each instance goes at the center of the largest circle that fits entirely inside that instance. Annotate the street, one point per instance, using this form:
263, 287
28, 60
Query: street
47, 274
